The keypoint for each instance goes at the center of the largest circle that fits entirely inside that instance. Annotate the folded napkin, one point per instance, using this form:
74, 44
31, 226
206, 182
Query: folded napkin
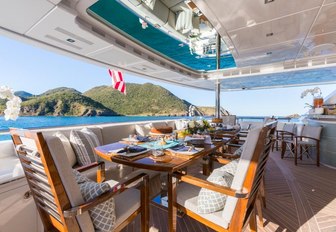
128, 149
134, 149
143, 138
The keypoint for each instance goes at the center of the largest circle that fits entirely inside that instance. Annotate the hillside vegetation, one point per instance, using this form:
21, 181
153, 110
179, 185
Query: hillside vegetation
146, 99
64, 101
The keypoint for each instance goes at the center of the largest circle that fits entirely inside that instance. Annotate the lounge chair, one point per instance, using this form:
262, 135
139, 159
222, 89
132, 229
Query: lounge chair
58, 195
239, 209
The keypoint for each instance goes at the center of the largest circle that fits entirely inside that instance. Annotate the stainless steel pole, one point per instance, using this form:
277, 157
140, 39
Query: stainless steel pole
217, 84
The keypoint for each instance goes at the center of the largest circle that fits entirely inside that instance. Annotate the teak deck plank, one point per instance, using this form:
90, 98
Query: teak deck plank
299, 198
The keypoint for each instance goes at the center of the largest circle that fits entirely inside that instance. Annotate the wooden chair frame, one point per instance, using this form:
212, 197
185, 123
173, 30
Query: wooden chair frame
53, 204
290, 146
244, 212
306, 146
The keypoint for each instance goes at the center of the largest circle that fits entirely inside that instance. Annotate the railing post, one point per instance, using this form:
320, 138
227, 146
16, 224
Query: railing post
217, 84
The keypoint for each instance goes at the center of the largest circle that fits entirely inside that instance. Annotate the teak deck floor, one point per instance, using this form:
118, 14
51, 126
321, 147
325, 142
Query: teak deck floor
299, 198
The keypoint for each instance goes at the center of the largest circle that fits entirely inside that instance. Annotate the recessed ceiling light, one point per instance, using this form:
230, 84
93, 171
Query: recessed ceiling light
269, 1
71, 40
269, 34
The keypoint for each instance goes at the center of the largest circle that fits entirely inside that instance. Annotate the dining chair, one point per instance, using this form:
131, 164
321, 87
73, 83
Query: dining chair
309, 138
229, 120
58, 194
239, 208
286, 137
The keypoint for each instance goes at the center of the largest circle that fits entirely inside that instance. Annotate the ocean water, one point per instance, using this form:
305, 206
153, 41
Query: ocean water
51, 121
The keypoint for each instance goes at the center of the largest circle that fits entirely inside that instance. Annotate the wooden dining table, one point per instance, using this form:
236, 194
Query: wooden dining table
169, 163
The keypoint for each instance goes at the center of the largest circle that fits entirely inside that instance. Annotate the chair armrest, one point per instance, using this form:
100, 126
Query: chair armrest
234, 144
117, 189
92, 165
209, 185
228, 156
224, 158
100, 171
282, 133
306, 137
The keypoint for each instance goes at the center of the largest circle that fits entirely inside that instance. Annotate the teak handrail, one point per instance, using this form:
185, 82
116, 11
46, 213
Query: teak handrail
211, 186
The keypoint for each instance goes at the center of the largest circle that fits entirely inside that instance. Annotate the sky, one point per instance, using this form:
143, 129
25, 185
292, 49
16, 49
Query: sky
35, 70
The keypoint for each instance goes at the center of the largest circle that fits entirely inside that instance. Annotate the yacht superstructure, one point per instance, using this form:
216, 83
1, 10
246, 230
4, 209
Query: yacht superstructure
261, 44
263, 37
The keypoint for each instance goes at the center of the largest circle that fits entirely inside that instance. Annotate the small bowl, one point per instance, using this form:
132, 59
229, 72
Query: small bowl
157, 153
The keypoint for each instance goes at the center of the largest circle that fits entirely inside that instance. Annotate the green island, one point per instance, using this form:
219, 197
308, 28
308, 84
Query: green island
141, 99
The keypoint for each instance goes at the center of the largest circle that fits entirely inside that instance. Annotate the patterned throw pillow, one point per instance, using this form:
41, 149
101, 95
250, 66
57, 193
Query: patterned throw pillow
239, 151
230, 167
84, 141
143, 130
209, 201
79, 177
103, 215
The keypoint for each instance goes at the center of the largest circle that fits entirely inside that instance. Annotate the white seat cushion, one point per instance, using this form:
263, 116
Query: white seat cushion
242, 168
187, 197
125, 204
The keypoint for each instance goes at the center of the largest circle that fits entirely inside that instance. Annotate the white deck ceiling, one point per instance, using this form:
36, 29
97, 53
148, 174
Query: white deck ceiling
282, 30
281, 36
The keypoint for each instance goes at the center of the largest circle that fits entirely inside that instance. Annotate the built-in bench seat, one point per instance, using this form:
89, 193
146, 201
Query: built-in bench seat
106, 133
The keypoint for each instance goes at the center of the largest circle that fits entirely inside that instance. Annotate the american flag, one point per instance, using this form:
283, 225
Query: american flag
118, 81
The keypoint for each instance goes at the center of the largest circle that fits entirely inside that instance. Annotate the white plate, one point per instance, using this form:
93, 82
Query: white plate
131, 154
194, 151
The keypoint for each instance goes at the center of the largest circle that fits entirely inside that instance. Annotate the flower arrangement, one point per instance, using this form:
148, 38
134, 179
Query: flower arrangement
12, 105
315, 92
198, 126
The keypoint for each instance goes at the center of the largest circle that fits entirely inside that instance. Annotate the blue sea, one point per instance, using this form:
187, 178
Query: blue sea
53, 121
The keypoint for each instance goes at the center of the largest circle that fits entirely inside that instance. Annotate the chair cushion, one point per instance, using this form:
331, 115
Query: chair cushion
187, 195
126, 204
242, 168
68, 180
103, 215
210, 201
84, 141
67, 147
